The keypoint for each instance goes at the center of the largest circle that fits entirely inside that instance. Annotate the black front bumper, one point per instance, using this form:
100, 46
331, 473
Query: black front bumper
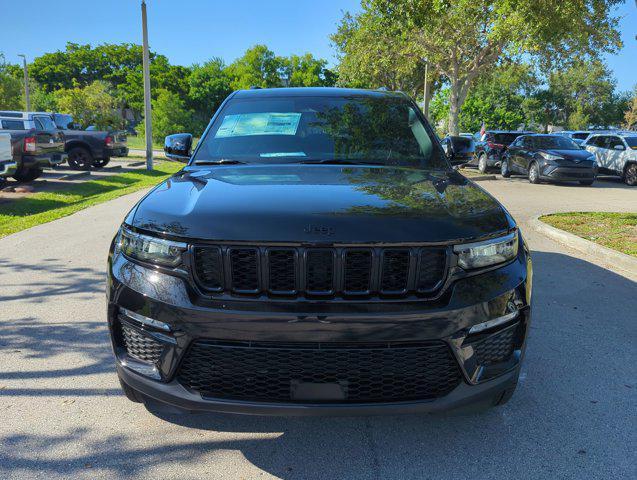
568, 174
171, 300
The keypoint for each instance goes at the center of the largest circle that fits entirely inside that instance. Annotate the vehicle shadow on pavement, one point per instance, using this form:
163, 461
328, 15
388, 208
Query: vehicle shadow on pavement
608, 182
568, 418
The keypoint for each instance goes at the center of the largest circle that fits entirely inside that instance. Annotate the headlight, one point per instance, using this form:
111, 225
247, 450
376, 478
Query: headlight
550, 156
489, 252
151, 249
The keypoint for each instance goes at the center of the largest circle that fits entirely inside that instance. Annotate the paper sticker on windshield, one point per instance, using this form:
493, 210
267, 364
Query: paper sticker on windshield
268, 123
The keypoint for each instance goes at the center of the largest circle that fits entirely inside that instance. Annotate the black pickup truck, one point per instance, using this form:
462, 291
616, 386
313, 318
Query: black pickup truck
92, 148
35, 143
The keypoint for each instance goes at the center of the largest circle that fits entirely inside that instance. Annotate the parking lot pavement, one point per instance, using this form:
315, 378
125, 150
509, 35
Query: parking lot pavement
63, 416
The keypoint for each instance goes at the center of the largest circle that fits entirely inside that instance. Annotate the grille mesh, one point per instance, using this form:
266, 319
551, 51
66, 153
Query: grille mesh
358, 269
245, 270
140, 346
495, 348
324, 271
366, 373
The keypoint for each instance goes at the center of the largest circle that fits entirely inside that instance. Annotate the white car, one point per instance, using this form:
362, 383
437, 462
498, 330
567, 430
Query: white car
615, 153
7, 165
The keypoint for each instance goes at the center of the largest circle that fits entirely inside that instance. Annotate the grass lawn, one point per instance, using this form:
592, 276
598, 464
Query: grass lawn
26, 212
613, 230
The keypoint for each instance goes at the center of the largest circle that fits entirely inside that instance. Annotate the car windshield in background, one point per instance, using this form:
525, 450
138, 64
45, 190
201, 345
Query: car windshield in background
12, 124
356, 129
505, 138
580, 135
631, 142
63, 120
553, 142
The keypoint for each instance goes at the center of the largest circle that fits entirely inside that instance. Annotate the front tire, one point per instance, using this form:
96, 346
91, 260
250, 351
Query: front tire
630, 174
80, 158
534, 173
504, 169
27, 174
482, 163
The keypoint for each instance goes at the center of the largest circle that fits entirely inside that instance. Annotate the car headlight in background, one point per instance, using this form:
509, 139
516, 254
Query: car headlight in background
150, 249
550, 156
487, 253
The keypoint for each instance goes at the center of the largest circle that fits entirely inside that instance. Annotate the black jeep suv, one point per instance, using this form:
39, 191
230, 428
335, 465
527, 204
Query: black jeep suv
318, 255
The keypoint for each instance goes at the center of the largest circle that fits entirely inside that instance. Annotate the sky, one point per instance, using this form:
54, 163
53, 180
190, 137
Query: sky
193, 31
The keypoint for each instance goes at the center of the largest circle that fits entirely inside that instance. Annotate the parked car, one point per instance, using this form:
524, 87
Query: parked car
318, 255
491, 146
90, 148
549, 158
460, 149
578, 136
35, 141
616, 154
7, 165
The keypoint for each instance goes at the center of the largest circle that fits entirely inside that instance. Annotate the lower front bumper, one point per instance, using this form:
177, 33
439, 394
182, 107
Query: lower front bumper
173, 393
568, 174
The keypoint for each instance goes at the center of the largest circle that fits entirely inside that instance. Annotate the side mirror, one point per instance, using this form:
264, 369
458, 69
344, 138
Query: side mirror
177, 147
620, 148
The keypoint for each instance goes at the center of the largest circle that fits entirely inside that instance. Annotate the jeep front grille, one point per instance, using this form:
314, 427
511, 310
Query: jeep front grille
320, 272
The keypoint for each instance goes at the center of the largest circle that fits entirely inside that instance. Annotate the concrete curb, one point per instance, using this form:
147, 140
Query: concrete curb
479, 178
605, 254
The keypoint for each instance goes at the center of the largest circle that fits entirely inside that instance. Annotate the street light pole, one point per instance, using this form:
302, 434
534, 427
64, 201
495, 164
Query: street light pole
147, 106
27, 97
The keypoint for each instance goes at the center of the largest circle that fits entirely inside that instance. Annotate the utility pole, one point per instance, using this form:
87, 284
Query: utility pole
147, 106
425, 100
27, 97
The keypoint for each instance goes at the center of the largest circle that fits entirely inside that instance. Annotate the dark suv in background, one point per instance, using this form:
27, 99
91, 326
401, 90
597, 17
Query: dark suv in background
318, 255
491, 146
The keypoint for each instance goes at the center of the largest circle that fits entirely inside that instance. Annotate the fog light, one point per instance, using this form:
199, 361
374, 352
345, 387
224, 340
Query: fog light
145, 320
493, 323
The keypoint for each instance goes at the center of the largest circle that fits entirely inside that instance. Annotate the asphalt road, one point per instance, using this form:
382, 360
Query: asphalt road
62, 414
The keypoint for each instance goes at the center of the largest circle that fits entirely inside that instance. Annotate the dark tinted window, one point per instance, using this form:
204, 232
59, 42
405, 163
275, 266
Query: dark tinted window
384, 130
613, 141
556, 142
13, 124
505, 138
631, 141
580, 135
62, 120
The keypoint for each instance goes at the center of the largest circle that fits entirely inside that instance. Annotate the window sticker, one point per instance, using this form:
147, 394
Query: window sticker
266, 123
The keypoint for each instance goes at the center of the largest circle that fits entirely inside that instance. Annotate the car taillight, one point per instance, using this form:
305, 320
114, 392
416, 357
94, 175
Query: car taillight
108, 141
29, 144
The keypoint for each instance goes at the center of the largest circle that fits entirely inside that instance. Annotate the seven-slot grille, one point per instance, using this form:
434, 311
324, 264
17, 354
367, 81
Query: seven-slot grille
269, 372
346, 271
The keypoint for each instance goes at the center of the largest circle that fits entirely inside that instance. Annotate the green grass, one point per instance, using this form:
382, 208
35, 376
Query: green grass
613, 230
43, 207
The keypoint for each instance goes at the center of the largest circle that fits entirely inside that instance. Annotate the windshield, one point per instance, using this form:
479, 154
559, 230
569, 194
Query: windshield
63, 120
553, 142
356, 129
631, 142
580, 135
505, 138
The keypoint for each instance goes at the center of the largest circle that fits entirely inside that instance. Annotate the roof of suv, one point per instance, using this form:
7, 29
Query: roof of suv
20, 115
314, 92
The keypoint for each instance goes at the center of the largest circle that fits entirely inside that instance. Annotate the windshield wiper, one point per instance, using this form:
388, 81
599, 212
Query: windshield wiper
337, 161
223, 161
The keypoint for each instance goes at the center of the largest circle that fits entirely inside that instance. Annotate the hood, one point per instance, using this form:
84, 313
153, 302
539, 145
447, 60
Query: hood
576, 155
319, 203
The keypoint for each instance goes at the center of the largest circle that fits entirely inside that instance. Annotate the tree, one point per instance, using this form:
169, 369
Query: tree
305, 71
209, 85
10, 88
169, 115
90, 105
464, 39
374, 55
630, 116
258, 67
